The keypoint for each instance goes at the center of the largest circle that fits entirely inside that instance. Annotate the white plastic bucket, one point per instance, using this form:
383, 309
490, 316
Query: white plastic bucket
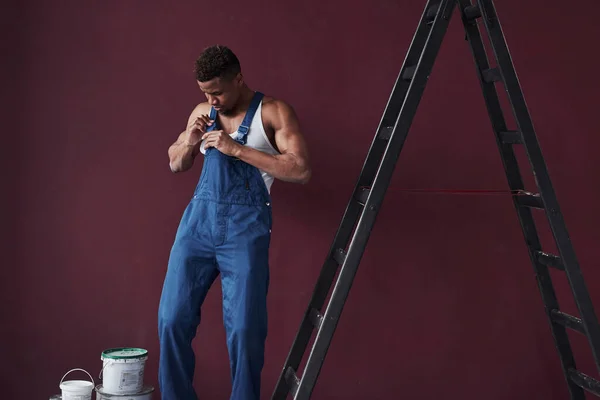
123, 370
144, 394
76, 390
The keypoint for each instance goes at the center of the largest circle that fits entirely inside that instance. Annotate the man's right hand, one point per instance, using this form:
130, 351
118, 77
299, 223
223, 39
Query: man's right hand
196, 129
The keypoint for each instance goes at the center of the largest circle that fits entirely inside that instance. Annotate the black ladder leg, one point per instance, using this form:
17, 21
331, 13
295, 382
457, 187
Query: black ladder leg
545, 199
364, 205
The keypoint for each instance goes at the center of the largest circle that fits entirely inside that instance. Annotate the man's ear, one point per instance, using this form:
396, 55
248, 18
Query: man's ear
239, 79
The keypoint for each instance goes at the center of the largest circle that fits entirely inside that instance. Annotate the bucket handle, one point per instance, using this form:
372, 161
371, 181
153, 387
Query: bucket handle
77, 369
103, 366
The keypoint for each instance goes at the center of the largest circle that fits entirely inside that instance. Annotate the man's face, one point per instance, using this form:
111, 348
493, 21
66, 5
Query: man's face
221, 93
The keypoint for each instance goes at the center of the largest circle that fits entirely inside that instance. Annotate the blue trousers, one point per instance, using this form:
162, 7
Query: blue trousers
224, 231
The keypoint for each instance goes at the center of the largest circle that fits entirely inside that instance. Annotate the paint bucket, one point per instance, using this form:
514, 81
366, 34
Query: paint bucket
144, 394
76, 390
123, 370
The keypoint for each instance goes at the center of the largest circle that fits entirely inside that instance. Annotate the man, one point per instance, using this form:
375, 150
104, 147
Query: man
247, 140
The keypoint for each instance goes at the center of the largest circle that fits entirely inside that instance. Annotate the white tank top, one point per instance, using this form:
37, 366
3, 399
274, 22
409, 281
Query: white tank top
258, 140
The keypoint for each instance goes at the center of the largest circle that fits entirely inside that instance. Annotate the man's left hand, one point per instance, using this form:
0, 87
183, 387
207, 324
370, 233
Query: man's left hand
222, 142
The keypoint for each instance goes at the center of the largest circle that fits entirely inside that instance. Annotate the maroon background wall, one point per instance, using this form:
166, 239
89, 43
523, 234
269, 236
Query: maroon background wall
445, 304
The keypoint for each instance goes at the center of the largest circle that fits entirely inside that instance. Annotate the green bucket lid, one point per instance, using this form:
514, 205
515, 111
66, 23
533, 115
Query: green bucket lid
124, 353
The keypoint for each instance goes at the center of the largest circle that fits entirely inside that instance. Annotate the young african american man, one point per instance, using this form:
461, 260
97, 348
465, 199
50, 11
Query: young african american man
247, 140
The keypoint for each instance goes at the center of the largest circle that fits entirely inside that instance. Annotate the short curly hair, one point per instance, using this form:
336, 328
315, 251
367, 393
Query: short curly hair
216, 61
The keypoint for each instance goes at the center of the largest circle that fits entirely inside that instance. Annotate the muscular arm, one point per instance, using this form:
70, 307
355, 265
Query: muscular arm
182, 154
184, 150
293, 164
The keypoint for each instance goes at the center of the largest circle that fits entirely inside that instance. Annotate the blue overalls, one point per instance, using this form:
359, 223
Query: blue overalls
226, 230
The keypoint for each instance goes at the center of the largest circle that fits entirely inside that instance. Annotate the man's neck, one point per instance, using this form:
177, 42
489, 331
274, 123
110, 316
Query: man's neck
243, 102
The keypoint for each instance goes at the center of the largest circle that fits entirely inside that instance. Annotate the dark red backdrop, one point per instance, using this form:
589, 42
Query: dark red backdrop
445, 304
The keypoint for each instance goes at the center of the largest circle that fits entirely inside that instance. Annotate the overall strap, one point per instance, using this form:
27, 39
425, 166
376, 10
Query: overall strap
213, 117
245, 126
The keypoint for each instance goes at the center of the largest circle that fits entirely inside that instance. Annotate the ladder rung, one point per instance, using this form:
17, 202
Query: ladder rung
409, 73
361, 196
584, 381
491, 75
550, 260
316, 318
292, 380
386, 132
530, 200
568, 321
472, 12
511, 137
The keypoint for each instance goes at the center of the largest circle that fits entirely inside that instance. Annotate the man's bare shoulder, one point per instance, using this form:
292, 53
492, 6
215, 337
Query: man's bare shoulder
277, 111
201, 108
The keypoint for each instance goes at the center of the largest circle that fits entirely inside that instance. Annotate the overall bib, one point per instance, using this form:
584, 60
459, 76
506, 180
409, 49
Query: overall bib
225, 230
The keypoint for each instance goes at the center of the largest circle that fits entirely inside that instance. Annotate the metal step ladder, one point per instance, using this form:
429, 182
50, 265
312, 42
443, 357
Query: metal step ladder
361, 212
